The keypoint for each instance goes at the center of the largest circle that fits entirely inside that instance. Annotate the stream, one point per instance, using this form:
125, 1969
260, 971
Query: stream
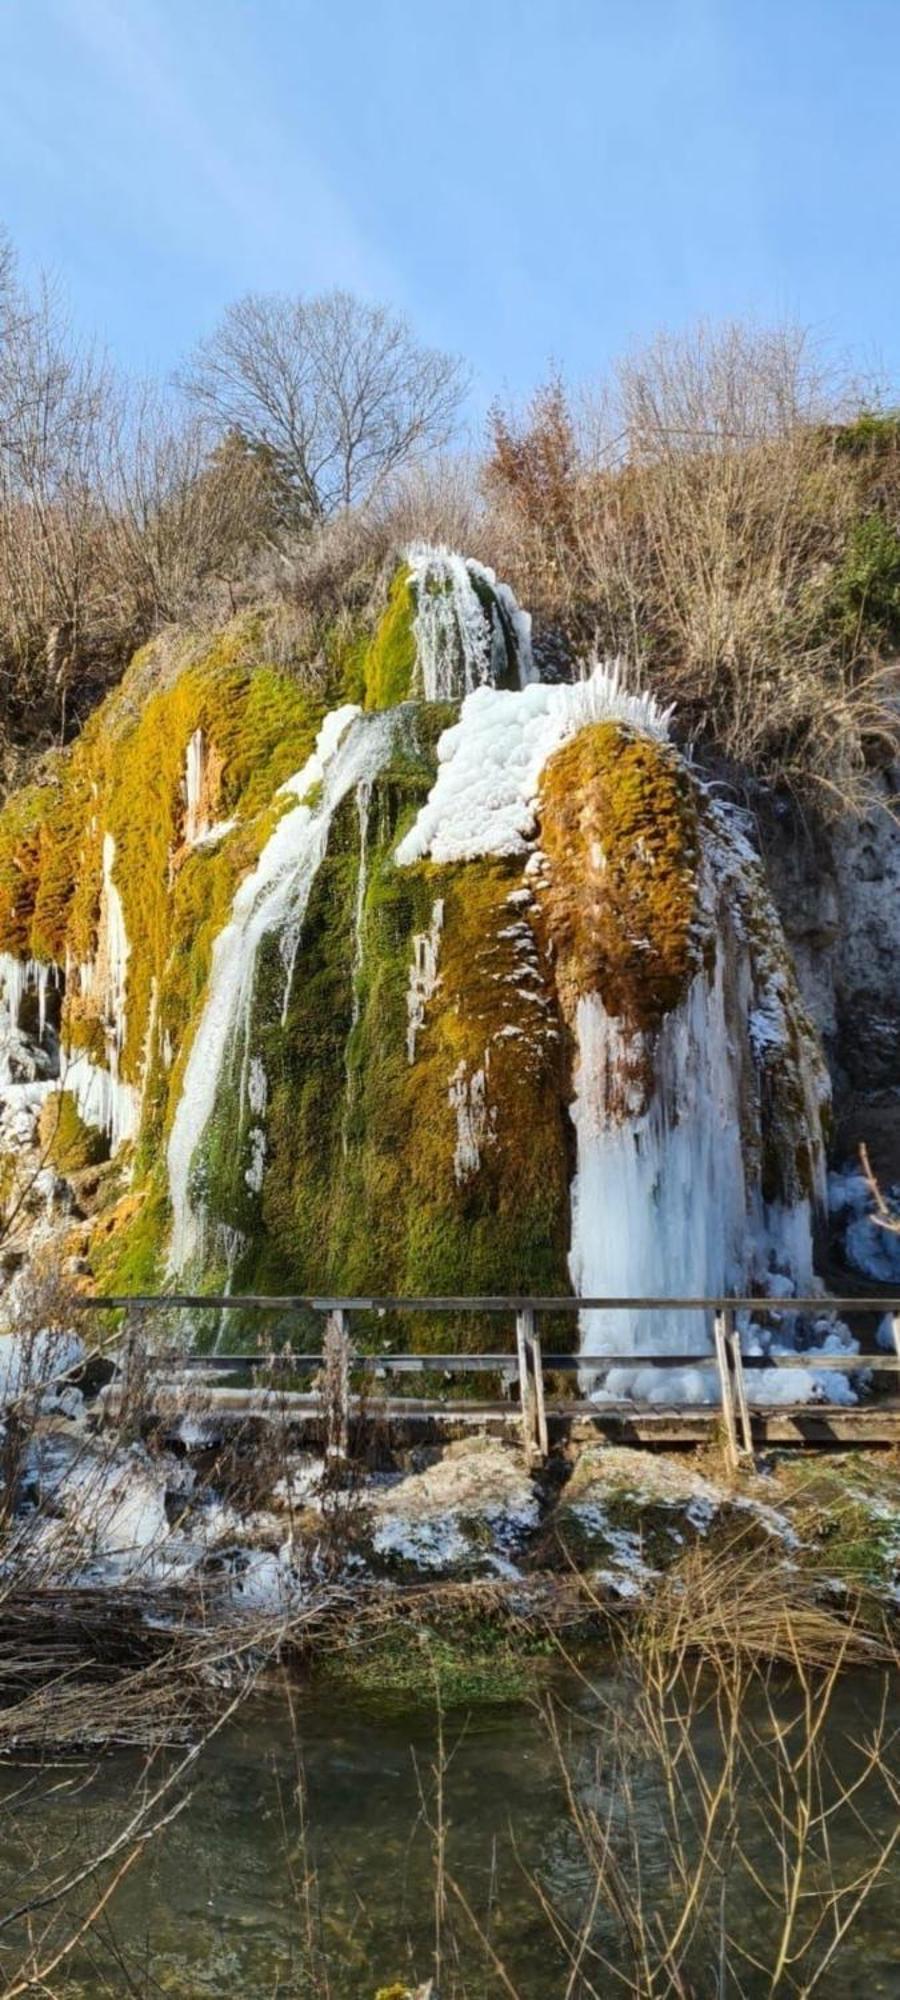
229, 1899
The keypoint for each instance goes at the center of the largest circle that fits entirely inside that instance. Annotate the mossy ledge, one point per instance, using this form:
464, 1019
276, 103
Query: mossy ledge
619, 827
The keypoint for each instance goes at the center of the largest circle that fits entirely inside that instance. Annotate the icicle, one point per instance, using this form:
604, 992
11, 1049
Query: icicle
19, 976
195, 819
423, 975
102, 1098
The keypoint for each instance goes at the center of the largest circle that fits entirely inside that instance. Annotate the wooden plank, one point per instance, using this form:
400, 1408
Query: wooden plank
739, 1387
814, 1424
558, 1364
567, 1303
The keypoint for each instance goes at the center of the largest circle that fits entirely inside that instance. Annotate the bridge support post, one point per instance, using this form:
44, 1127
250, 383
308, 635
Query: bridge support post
540, 1407
738, 1382
524, 1338
728, 1421
336, 1385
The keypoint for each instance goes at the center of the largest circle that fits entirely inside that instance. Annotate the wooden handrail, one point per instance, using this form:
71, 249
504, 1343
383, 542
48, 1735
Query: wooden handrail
530, 1364
319, 1302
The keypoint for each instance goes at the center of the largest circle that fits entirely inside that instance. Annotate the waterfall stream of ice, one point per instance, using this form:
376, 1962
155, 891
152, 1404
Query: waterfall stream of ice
457, 637
271, 901
659, 1205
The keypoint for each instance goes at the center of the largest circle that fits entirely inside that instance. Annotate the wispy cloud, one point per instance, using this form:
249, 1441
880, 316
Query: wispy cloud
217, 142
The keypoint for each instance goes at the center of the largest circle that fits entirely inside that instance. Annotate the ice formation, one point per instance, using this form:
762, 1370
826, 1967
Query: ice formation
270, 902
423, 975
461, 636
491, 760
670, 1132
662, 1201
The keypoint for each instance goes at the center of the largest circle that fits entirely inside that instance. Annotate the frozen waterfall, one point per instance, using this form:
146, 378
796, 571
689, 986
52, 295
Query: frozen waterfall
461, 636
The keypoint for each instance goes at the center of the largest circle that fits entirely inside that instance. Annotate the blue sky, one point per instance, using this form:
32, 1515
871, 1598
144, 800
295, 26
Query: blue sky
527, 179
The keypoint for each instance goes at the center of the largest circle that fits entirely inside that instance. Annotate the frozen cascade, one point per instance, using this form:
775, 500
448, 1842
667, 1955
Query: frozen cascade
19, 976
450, 615
199, 831
195, 822
350, 749
363, 797
662, 1202
102, 1097
111, 964
658, 1202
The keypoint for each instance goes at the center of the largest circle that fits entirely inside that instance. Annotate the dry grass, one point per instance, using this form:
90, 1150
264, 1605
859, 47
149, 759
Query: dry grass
698, 518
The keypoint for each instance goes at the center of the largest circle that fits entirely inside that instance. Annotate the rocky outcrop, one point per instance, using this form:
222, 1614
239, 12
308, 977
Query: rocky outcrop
838, 894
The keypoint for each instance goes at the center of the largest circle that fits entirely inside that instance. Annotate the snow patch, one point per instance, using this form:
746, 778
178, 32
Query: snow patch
489, 763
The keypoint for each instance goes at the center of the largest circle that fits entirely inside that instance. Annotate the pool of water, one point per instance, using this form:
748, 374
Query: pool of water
302, 1864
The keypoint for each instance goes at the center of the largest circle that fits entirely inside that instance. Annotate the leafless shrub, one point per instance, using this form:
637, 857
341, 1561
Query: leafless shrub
694, 518
184, 524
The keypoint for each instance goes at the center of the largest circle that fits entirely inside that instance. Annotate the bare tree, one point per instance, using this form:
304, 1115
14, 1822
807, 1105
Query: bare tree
333, 393
53, 398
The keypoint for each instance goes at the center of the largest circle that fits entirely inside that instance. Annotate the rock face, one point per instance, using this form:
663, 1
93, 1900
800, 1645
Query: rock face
839, 900
437, 979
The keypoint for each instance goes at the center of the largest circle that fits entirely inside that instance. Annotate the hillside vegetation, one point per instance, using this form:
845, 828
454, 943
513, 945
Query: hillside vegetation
724, 512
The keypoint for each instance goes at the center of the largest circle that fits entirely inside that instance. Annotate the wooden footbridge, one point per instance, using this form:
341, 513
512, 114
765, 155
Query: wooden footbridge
346, 1382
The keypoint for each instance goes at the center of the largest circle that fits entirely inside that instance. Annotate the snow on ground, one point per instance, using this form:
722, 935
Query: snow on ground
869, 1247
476, 1502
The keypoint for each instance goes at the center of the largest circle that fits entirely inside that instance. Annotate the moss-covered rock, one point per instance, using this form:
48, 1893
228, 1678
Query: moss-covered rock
390, 662
619, 827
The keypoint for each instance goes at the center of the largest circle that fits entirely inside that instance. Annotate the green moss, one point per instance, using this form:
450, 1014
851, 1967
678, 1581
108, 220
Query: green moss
128, 1254
468, 1660
362, 1192
66, 1141
391, 658
865, 592
873, 433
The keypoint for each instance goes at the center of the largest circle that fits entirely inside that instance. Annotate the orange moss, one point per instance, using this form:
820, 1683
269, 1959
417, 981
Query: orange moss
619, 828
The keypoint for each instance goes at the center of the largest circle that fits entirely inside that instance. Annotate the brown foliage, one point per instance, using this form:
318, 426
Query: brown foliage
695, 519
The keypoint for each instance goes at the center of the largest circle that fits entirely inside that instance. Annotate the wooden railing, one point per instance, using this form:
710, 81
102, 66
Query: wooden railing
530, 1363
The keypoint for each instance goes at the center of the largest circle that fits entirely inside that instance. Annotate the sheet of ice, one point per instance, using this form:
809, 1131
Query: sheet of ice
659, 1204
489, 763
271, 901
